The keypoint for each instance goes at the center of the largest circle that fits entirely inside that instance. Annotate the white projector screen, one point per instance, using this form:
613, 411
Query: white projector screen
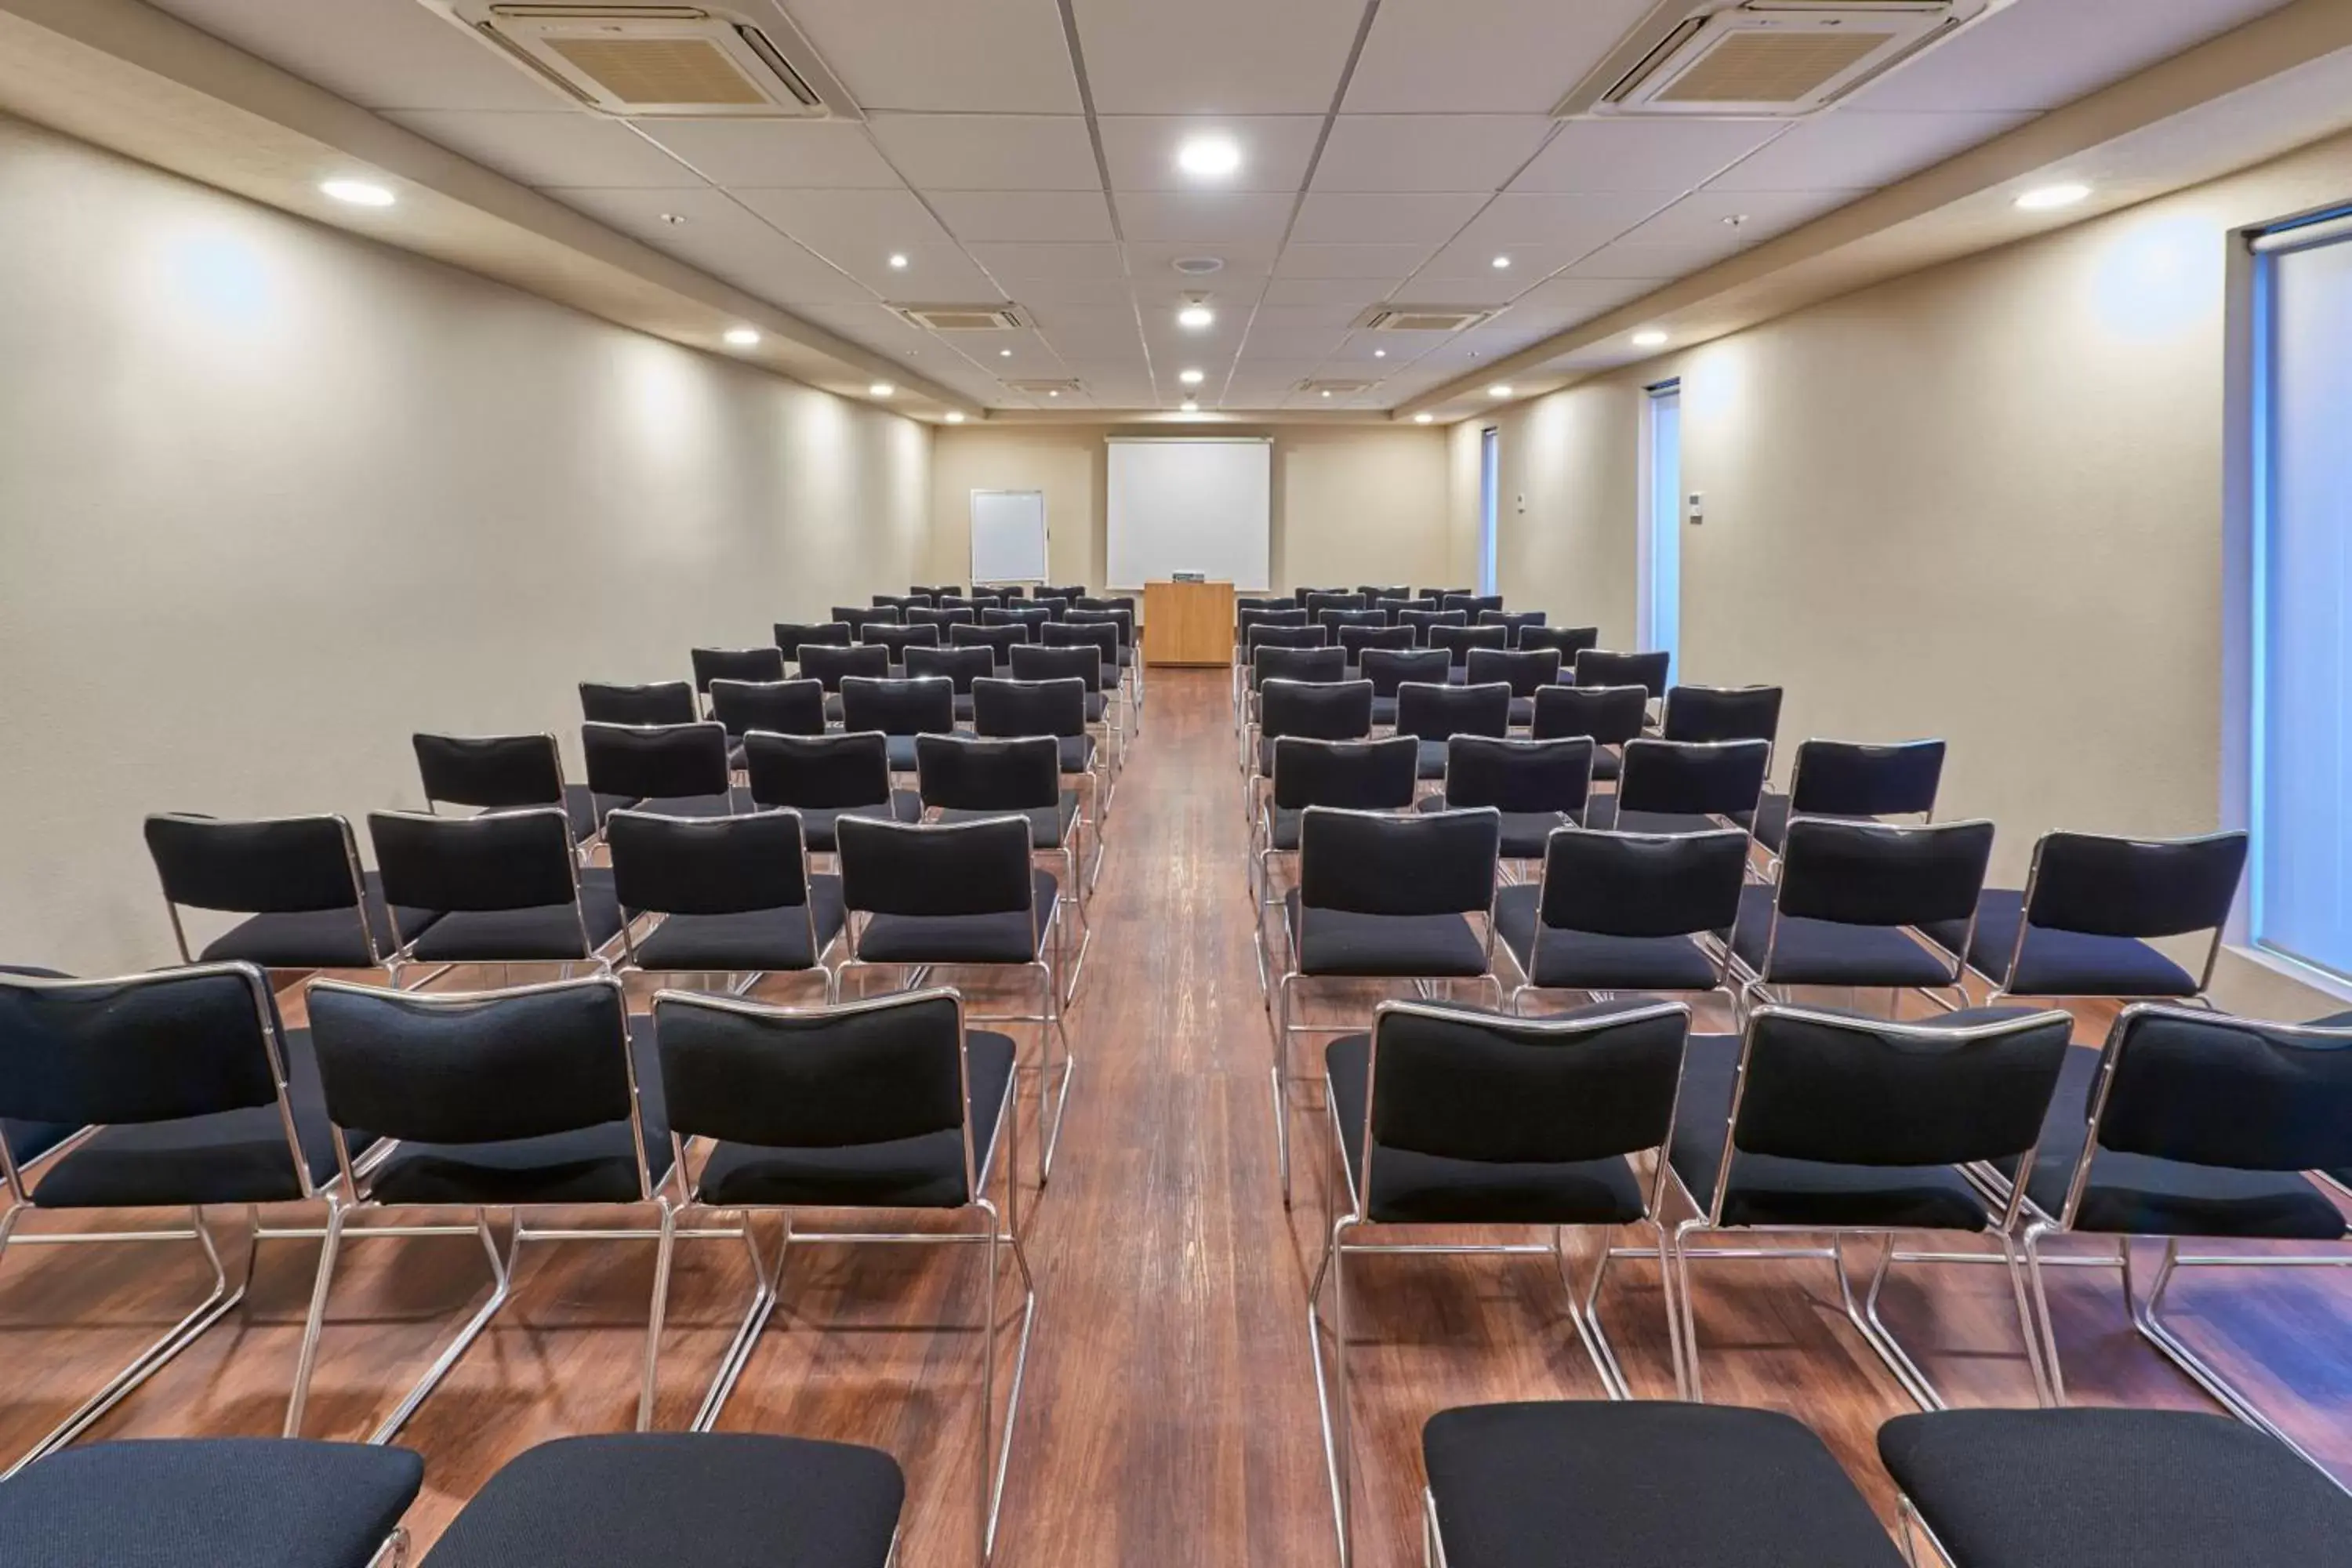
1191, 504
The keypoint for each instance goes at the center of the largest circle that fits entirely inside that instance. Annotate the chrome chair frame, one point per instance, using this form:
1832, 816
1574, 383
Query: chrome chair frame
401, 954
1078, 876
1722, 988
350, 858
820, 951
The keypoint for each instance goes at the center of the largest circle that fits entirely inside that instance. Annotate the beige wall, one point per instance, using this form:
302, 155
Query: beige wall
1351, 503
272, 497
1986, 501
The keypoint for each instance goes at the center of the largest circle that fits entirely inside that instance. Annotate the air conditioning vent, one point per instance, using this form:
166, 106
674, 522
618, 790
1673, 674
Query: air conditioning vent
1762, 58
1420, 318
660, 61
1048, 388
1322, 386
964, 318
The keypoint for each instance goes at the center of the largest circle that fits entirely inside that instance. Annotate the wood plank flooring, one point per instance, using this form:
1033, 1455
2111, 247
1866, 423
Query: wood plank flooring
1169, 1417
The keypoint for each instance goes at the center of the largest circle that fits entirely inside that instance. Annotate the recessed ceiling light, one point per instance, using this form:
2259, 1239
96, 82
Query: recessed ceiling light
1004, 353
1379, 354
1500, 389
1649, 337
1423, 418
898, 261
1053, 392
1196, 317
955, 415
1209, 157
742, 337
679, 219
1189, 407
1500, 262
2041, 198
358, 193
880, 389
1198, 266
1189, 378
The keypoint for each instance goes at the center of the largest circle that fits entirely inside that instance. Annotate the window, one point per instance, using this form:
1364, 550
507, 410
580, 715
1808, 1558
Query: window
1661, 607
1490, 479
2300, 739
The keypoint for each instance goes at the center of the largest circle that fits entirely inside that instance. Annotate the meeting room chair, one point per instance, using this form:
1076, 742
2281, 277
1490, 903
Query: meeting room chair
1256, 613
1102, 706
1118, 610
1435, 714
1570, 640
532, 1099
1473, 604
899, 710
899, 640
1277, 661
1683, 786
1604, 667
1424, 622
1343, 774
969, 778
1372, 595
295, 880
959, 667
792, 636
938, 591
1333, 620
823, 778
509, 885
910, 600
1000, 641
1458, 642
1357, 639
974, 602
1525, 670
1008, 592
733, 897
682, 770
779, 707
500, 773
1319, 710
859, 617
1389, 669
648, 702
1854, 780
1513, 621
1068, 592
1537, 785
733, 664
1010, 708
1619, 912
1034, 617
1609, 716
1083, 662
1721, 713
1315, 604
942, 619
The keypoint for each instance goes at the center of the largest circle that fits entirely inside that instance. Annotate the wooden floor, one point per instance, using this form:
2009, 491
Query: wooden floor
1169, 1417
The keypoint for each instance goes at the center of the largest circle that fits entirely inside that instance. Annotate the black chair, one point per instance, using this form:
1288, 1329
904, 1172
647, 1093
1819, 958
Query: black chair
899, 640
1057, 660
1854, 780
297, 881
1828, 1122
1450, 1118
735, 896
940, 591
682, 770
779, 707
1570, 640
1683, 786
1333, 621
959, 667
1357, 639
1434, 715
823, 778
1317, 711
968, 778
1424, 622
890, 1105
794, 635
962, 895
532, 1098
1008, 592
2090, 906
500, 773
1601, 666
899, 710
509, 885
1382, 897
1069, 592
1516, 621
190, 1092
859, 618
1118, 610
1458, 641
1537, 786
829, 666
1000, 641
1525, 670
1315, 604
1344, 774
972, 601
1374, 596
1010, 708
733, 664
1032, 616
1419, 602
652, 702
1249, 613
2188, 1125
907, 601
1474, 604
1721, 713
1055, 606
1316, 662
1624, 911
1609, 715
1389, 669
949, 616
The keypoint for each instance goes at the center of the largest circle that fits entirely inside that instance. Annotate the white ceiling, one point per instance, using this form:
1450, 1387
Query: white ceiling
1392, 150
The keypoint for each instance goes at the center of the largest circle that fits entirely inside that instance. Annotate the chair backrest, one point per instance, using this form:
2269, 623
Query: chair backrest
1849, 778
1692, 778
1326, 664
999, 640
972, 601
1322, 710
1266, 634
503, 860
1519, 776
1427, 602
1053, 606
1389, 669
935, 869
480, 1067
860, 616
1014, 708
988, 772
959, 667
938, 591
1316, 604
898, 639
914, 599
1030, 616
1516, 620
171, 1043
736, 664
707, 866
1104, 612
1336, 619
654, 761
1424, 622
1880, 873
1642, 884
953, 615
1436, 713
2141, 887
653, 703
1459, 640
1843, 1088
1570, 640
794, 635
1595, 1084
1471, 603
783, 707
1103, 639
1525, 670
1610, 715
1721, 713
2202, 1088
283, 865
886, 1071
1084, 661
1269, 616
490, 772
1374, 596
1420, 863
1008, 592
831, 664
1068, 592
819, 772
1601, 666
923, 705
1351, 775
1356, 639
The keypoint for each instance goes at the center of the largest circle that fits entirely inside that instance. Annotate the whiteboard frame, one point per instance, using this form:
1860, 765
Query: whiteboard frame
1044, 523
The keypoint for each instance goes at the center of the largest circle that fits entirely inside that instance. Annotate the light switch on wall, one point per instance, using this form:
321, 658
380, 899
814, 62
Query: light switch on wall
1697, 509
1522, 499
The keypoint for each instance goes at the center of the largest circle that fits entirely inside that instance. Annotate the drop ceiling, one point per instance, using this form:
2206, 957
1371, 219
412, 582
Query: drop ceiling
1024, 151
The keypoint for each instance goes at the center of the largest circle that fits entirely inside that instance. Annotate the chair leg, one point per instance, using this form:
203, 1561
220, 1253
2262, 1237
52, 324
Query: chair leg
1693, 1390
1864, 1317
655, 1315
502, 1274
765, 1287
1332, 1400
2046, 1328
992, 1488
1586, 1317
1282, 1083
315, 1323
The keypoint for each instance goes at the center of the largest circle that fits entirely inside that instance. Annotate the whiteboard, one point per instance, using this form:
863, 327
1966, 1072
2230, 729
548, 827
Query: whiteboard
1008, 536
1191, 504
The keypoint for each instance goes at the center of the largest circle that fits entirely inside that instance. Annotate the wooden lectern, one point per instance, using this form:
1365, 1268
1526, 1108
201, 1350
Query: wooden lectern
1188, 623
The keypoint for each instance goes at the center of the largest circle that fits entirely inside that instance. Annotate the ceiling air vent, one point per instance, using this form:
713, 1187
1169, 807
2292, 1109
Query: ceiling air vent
1334, 386
660, 61
1761, 57
964, 318
1420, 318
1064, 388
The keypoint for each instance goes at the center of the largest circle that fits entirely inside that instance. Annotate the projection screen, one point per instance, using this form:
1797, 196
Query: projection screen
1191, 504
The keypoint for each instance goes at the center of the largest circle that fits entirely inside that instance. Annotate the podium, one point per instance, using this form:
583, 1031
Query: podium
1188, 623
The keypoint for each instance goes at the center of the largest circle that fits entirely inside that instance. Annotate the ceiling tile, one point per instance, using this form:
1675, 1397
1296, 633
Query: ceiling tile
1516, 56
560, 147
1656, 264
1215, 56
1331, 316
1427, 152
724, 239
1085, 291
1203, 217
1354, 292
1580, 222
1390, 261
845, 223
1642, 156
990, 152
1024, 217
826, 153
942, 57
1059, 317
1082, 262
1581, 297
1291, 343
934, 274
1365, 218
378, 55
1153, 265
1488, 290
1705, 217
1475, 258
1852, 150
1141, 149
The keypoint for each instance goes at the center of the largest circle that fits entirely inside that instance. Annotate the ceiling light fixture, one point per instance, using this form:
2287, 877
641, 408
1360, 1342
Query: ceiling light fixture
898, 261
880, 389
1500, 389
742, 337
358, 193
1500, 262
1189, 407
955, 415
1327, 392
1423, 418
1196, 317
2041, 198
1004, 353
1379, 354
676, 219
1189, 378
1649, 337
1053, 392
1209, 157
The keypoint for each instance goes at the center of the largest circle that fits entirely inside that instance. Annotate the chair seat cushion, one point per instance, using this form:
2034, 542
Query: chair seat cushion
1523, 712
1769, 1190
901, 750
774, 941
1077, 754
1605, 762
1049, 826
1014, 937
1432, 762
580, 810
907, 1173
2058, 962
740, 1498
1410, 1187
315, 939
549, 933
1385, 710
1647, 1484
963, 707
2113, 1489
256, 1502
1825, 952
1098, 704
1526, 834
1588, 960
1336, 943
832, 707
817, 821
